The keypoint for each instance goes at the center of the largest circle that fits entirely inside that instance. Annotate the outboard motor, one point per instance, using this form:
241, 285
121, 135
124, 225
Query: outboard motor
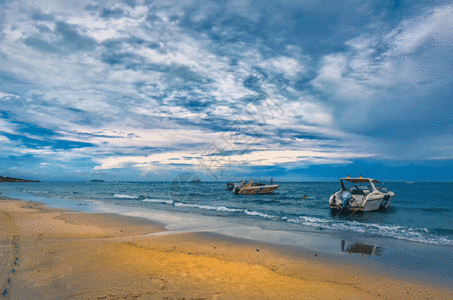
236, 189
384, 202
345, 199
230, 186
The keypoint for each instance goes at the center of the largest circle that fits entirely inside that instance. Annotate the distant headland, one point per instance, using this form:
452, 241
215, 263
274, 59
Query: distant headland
10, 179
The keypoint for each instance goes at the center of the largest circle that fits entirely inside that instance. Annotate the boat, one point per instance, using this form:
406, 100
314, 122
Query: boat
360, 195
250, 188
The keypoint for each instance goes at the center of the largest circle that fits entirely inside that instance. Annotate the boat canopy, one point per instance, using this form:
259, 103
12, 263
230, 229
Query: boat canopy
358, 180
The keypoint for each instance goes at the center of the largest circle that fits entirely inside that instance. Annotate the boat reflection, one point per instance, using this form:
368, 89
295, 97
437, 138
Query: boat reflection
363, 249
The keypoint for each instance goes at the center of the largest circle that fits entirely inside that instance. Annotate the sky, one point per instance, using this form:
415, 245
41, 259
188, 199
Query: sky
139, 90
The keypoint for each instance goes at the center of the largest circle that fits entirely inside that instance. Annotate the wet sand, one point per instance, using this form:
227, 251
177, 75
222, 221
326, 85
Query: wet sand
61, 254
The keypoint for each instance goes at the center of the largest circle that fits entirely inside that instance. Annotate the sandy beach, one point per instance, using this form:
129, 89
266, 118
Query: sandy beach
48, 253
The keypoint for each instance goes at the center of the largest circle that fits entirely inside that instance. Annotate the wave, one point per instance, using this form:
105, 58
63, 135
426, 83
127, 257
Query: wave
259, 214
208, 207
213, 208
121, 196
124, 196
223, 208
423, 235
158, 201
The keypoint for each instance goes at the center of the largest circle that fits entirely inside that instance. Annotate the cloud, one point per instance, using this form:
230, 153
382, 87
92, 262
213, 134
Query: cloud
7, 127
7, 96
144, 138
112, 13
71, 39
214, 162
123, 84
40, 45
385, 80
40, 16
413, 33
288, 66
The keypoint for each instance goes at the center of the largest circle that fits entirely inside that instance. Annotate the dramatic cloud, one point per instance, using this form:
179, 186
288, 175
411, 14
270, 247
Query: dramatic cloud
133, 87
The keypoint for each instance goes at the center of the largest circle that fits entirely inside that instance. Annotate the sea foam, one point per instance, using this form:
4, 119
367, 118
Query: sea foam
124, 196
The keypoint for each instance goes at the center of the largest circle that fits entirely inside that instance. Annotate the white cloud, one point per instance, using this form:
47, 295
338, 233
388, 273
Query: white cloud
436, 24
365, 73
255, 158
243, 8
144, 161
338, 76
268, 158
288, 66
309, 111
7, 127
223, 112
7, 96
117, 138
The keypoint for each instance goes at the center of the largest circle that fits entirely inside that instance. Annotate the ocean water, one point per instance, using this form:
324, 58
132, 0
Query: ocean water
420, 212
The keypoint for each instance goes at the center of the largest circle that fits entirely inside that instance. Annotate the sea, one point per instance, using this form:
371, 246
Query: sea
421, 212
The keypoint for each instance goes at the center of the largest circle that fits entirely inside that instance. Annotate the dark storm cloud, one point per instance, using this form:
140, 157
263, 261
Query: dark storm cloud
71, 39
112, 13
41, 45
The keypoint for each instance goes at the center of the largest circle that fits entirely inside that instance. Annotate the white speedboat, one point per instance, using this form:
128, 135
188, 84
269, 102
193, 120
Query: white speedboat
249, 188
360, 194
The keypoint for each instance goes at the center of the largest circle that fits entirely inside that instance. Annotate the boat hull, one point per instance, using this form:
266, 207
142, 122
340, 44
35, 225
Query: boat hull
376, 204
265, 189
373, 204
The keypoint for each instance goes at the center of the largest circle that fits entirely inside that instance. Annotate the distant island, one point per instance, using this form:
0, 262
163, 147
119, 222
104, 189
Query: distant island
96, 180
10, 179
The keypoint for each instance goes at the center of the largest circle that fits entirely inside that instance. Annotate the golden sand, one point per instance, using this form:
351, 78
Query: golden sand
69, 255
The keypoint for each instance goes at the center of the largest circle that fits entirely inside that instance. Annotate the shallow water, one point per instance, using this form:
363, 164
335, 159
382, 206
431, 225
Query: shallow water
420, 212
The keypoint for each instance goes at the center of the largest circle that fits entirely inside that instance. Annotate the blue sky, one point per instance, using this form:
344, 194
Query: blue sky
295, 90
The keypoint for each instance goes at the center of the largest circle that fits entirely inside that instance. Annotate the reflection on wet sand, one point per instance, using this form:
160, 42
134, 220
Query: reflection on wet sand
363, 249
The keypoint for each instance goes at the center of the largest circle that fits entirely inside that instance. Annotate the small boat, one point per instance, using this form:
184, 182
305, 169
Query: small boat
360, 194
249, 188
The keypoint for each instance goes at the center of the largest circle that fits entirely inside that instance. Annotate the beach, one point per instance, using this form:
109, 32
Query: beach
64, 254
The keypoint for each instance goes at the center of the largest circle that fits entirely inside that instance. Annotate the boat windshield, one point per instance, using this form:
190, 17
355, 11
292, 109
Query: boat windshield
357, 188
381, 187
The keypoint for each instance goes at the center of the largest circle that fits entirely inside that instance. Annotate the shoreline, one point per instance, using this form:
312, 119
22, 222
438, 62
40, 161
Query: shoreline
196, 263
412, 260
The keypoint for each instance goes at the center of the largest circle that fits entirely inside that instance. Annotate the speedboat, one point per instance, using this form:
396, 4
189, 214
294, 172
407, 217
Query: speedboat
360, 194
249, 188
